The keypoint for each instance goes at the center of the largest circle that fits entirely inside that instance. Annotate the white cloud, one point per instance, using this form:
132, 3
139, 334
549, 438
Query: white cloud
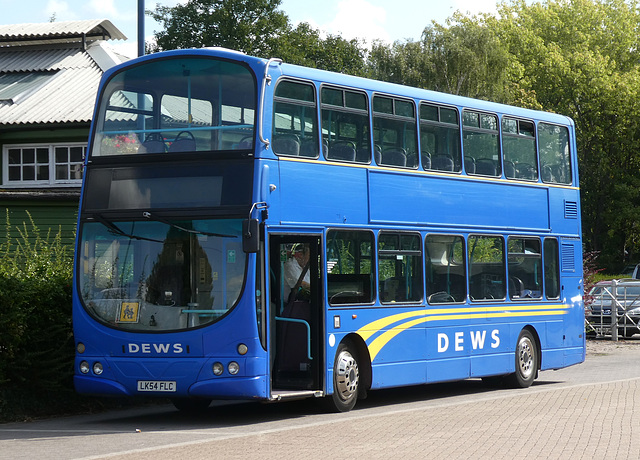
359, 19
104, 9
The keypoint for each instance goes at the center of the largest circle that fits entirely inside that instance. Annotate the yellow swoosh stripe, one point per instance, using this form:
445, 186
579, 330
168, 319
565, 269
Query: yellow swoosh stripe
368, 330
441, 315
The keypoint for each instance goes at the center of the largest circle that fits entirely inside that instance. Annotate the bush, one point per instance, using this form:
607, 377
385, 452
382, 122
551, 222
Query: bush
36, 344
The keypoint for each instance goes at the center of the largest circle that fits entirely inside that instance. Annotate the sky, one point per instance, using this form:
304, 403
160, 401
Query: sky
386, 20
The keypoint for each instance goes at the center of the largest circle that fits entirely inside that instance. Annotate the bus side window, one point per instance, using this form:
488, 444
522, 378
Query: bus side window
395, 131
486, 267
399, 267
551, 268
519, 149
350, 277
525, 268
445, 269
555, 160
480, 141
439, 138
295, 125
345, 125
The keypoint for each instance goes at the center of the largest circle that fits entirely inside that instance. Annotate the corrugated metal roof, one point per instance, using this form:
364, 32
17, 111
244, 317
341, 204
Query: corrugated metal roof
67, 96
21, 60
58, 32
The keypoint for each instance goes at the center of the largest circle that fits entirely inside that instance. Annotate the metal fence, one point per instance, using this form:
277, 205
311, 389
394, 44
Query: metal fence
612, 309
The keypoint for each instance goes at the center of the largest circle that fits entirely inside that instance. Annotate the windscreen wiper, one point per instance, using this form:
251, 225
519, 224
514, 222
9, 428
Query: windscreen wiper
148, 215
113, 228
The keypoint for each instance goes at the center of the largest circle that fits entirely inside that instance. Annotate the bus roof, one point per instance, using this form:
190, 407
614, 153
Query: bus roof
335, 78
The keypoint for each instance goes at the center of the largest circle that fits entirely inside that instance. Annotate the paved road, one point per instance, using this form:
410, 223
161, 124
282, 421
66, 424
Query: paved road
585, 411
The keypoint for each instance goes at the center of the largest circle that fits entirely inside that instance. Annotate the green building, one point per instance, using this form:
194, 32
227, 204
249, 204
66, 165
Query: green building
49, 76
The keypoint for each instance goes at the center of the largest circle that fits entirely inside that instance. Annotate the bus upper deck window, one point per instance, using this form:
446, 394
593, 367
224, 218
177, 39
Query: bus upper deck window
439, 138
555, 160
200, 105
295, 125
480, 144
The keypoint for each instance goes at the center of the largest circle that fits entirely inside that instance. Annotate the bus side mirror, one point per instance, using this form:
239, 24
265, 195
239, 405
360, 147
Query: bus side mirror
250, 235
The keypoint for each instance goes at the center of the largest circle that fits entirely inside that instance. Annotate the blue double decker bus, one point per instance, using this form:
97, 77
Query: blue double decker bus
250, 229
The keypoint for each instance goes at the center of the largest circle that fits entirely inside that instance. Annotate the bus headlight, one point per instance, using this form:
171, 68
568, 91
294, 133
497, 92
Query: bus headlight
80, 348
97, 368
234, 368
243, 349
218, 368
84, 367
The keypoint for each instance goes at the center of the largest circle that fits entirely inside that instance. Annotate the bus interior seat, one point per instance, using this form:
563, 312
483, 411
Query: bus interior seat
426, 160
393, 290
363, 155
286, 144
309, 148
558, 174
509, 169
525, 171
343, 151
547, 174
486, 167
377, 153
394, 157
184, 142
245, 143
516, 287
470, 165
153, 143
442, 163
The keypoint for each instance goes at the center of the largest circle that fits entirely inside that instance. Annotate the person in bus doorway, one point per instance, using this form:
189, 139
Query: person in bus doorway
298, 284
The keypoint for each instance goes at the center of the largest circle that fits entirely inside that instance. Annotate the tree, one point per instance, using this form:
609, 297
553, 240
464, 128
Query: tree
580, 58
464, 57
304, 45
251, 26
255, 27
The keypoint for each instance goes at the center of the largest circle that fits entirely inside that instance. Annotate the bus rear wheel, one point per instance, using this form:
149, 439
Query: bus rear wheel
527, 361
346, 380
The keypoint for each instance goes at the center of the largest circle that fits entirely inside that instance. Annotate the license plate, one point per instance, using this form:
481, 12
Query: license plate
157, 385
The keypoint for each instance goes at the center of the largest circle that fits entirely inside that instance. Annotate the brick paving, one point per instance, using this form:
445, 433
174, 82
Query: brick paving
583, 412
581, 421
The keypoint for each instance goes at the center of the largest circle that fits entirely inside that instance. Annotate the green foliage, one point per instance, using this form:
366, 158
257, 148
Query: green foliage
305, 46
36, 345
251, 26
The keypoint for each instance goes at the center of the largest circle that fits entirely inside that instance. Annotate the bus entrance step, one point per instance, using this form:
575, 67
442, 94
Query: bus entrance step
279, 395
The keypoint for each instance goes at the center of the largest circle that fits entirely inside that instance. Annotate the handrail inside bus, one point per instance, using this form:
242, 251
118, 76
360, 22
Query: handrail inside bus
265, 81
300, 321
167, 130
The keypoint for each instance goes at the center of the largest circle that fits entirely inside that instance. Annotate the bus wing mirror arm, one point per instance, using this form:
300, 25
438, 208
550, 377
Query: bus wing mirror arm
251, 229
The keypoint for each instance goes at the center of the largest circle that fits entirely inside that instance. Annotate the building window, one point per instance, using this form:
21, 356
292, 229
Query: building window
43, 164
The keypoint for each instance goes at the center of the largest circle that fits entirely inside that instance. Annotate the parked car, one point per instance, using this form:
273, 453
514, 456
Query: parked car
632, 271
602, 299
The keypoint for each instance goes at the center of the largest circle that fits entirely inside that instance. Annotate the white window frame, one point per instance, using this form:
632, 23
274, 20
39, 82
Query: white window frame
52, 181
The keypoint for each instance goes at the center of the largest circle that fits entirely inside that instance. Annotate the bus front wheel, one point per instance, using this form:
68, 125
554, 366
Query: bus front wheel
527, 360
346, 380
